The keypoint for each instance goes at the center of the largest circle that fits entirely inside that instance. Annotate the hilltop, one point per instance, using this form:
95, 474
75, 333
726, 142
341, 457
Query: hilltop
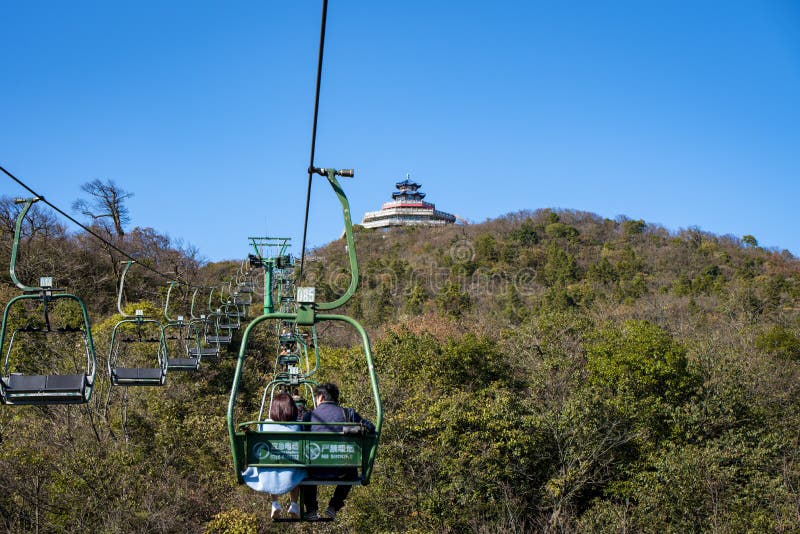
501, 271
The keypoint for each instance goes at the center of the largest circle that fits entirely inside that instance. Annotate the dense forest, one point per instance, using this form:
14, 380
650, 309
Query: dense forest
544, 371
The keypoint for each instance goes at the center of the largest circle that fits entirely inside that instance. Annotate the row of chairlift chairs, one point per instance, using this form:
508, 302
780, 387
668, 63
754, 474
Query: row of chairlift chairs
43, 333
253, 443
181, 345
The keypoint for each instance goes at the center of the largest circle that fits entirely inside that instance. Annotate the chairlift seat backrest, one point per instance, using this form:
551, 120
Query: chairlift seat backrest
288, 359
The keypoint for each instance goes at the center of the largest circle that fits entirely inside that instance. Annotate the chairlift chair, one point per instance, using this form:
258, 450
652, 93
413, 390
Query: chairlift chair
205, 349
217, 332
229, 318
203, 323
182, 338
252, 445
23, 382
136, 341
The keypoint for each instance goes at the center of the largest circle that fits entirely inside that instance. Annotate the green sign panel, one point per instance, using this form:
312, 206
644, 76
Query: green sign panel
336, 451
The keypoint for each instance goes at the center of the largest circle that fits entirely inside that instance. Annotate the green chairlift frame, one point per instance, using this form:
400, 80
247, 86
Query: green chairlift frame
20, 388
214, 317
240, 302
201, 323
135, 376
186, 332
252, 446
230, 316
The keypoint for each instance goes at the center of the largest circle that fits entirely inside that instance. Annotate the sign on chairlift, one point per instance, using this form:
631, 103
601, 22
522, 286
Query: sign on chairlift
306, 295
46, 282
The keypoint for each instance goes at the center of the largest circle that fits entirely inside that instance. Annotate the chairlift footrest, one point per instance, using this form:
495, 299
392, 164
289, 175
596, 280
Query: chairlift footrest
183, 364
204, 353
138, 376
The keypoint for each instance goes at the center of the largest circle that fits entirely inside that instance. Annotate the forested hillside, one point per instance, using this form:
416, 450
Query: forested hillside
543, 371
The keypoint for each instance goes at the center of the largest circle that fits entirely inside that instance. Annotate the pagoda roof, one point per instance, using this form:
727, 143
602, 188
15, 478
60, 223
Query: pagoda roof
415, 194
408, 183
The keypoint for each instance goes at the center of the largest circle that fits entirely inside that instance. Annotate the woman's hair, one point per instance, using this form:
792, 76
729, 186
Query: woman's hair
283, 408
329, 392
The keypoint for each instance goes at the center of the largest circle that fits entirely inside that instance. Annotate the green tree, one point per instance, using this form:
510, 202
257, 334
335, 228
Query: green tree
633, 227
644, 370
780, 342
486, 249
526, 233
749, 241
452, 300
560, 267
514, 309
415, 299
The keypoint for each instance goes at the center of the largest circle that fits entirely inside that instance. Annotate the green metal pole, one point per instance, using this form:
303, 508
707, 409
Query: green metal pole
268, 305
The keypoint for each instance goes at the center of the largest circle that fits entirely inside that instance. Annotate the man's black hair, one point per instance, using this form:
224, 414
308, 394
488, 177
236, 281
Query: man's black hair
329, 392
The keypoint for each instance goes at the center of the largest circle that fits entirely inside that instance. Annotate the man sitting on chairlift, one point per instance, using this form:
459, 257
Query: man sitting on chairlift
328, 411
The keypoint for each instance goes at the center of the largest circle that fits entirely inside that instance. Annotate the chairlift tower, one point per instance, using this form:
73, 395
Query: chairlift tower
270, 253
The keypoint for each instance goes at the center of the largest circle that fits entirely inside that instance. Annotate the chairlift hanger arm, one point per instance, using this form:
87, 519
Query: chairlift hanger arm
166, 302
331, 174
192, 316
15, 248
210, 296
122, 286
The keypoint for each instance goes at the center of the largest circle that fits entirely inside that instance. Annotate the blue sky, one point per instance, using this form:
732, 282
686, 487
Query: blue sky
682, 113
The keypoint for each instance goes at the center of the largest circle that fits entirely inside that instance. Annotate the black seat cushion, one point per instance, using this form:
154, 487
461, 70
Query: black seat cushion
18, 383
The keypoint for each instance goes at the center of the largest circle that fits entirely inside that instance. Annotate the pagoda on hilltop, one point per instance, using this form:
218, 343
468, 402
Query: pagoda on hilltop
407, 208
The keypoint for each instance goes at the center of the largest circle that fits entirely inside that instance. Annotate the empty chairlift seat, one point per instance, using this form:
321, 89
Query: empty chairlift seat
214, 338
183, 364
46, 389
203, 352
138, 376
186, 337
123, 349
65, 381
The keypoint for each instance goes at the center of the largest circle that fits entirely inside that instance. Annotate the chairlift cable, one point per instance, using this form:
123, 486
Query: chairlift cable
313, 136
